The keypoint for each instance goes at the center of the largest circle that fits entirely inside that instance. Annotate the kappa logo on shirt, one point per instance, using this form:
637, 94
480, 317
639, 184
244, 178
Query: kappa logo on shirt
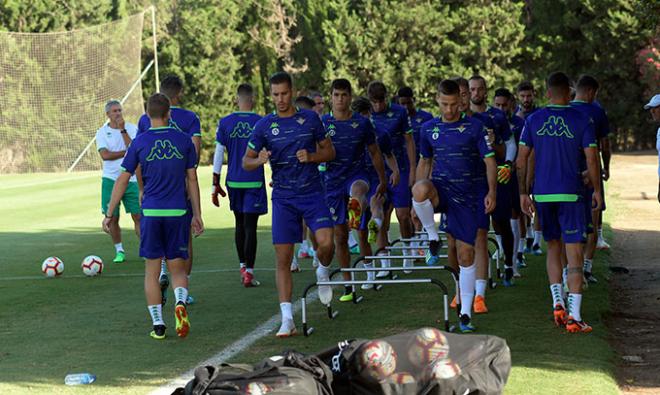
274, 128
242, 130
555, 126
331, 130
163, 150
436, 133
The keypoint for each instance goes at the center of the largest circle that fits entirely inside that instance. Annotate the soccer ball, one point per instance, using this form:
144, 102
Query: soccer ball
257, 388
377, 360
443, 369
428, 345
92, 265
52, 266
401, 378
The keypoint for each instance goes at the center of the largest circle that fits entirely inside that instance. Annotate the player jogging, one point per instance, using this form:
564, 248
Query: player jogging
450, 174
294, 141
168, 162
558, 134
247, 190
346, 182
112, 140
187, 122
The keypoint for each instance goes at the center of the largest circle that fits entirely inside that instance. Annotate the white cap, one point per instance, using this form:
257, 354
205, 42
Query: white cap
654, 102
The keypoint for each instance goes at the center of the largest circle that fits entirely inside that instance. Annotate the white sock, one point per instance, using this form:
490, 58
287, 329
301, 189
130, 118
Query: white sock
156, 312
499, 243
480, 287
537, 237
556, 291
180, 294
351, 240
285, 309
574, 304
466, 285
521, 246
516, 232
587, 265
304, 245
242, 265
530, 230
384, 262
163, 266
379, 222
424, 211
249, 270
370, 275
119, 247
600, 233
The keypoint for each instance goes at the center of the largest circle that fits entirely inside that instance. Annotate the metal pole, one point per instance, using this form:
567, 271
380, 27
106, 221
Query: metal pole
153, 30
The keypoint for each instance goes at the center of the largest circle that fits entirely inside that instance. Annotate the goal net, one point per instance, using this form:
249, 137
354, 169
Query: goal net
53, 87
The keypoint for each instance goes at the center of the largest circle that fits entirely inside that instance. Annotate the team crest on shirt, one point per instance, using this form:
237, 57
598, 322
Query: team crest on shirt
109, 134
461, 129
274, 128
436, 133
300, 121
354, 125
331, 130
390, 114
418, 120
555, 126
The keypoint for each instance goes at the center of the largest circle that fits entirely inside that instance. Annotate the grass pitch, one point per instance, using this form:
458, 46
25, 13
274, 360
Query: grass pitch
51, 327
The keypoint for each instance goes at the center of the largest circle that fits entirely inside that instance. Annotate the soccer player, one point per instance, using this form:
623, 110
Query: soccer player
558, 134
294, 141
188, 122
451, 148
393, 119
247, 190
112, 140
346, 182
168, 162
417, 116
654, 108
319, 103
505, 101
585, 95
527, 99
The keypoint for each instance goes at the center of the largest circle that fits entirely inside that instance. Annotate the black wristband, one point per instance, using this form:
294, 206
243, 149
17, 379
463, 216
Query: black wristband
123, 131
108, 216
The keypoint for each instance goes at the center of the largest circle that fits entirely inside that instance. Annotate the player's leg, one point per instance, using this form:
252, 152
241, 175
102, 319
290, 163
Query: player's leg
239, 241
365, 250
503, 226
425, 200
131, 202
136, 224
115, 232
547, 215
357, 202
467, 275
189, 260
401, 201
317, 215
592, 238
538, 234
177, 235
304, 249
375, 223
250, 221
343, 257
452, 259
313, 247
383, 240
152, 248
337, 201
482, 261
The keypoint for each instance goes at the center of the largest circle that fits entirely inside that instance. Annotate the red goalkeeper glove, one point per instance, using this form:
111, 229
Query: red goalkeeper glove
217, 190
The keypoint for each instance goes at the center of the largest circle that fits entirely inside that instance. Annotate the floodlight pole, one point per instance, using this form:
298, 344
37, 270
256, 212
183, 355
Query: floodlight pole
153, 30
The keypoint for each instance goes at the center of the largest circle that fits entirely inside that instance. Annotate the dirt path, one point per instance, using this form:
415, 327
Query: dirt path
635, 320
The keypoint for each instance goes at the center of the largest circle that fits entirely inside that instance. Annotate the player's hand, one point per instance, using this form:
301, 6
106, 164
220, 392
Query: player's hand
605, 175
394, 178
304, 156
381, 189
264, 156
106, 224
596, 201
527, 205
197, 226
489, 202
411, 178
217, 190
504, 173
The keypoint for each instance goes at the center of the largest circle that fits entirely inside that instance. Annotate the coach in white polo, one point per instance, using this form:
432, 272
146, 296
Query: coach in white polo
654, 108
112, 141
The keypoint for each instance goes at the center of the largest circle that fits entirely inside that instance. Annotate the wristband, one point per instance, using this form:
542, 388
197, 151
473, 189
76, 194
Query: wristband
123, 131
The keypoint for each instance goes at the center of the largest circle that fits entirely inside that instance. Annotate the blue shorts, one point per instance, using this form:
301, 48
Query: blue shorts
461, 214
288, 214
586, 200
400, 195
248, 200
164, 237
336, 199
503, 204
189, 213
515, 193
562, 220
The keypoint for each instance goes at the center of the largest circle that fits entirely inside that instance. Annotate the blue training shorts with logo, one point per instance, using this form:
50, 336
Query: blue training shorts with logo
562, 220
400, 195
461, 214
337, 198
288, 214
586, 200
164, 237
248, 200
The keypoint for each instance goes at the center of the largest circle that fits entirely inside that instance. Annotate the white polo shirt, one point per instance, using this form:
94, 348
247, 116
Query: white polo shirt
110, 139
657, 146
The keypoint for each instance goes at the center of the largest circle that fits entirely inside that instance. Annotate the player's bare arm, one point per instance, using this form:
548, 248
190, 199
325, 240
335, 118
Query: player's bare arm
521, 165
193, 193
423, 168
325, 152
252, 159
394, 167
491, 173
412, 156
593, 167
606, 154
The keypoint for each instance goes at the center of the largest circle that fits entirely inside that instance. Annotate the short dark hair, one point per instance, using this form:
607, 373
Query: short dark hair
558, 82
361, 104
479, 78
587, 82
304, 102
376, 90
504, 93
158, 105
245, 90
525, 86
448, 87
171, 86
405, 91
281, 77
461, 82
341, 84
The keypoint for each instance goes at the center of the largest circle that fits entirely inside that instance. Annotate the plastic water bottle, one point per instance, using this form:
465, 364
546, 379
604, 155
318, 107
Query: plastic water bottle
79, 378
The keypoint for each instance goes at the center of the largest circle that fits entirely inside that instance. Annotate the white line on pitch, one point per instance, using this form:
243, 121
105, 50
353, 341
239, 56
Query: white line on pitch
55, 181
18, 278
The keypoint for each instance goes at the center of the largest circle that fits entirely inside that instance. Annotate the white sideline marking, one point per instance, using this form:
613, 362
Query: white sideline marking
55, 181
231, 350
18, 278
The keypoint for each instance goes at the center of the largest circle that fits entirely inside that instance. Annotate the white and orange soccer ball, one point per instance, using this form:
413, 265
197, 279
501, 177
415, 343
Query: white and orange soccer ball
428, 345
443, 369
92, 265
401, 378
377, 360
52, 266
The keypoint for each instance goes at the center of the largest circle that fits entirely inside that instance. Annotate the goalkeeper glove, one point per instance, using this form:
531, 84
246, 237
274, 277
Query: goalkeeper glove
504, 173
217, 189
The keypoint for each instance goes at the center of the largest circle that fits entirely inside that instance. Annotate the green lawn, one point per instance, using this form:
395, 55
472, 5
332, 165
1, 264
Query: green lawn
100, 325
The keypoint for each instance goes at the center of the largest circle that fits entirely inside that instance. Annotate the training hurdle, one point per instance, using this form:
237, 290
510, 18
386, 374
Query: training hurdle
308, 330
